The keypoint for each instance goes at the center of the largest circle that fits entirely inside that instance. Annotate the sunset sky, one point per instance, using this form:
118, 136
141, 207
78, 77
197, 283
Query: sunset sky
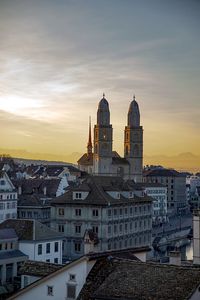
57, 57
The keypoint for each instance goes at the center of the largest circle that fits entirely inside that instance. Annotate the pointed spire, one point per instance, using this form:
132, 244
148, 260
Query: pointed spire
89, 145
133, 97
103, 95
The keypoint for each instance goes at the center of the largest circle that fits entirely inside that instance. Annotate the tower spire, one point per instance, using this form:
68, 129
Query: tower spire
89, 145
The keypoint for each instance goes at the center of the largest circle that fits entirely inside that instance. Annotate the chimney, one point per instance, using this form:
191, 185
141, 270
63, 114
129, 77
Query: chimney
175, 258
196, 237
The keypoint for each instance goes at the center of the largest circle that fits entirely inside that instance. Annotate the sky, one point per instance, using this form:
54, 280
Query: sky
57, 58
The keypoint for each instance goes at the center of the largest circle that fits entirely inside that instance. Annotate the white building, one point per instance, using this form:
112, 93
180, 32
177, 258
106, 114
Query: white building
36, 240
8, 198
67, 282
159, 208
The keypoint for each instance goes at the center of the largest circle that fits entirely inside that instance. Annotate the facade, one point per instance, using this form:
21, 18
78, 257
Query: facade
159, 206
10, 256
103, 161
176, 188
109, 207
8, 198
36, 240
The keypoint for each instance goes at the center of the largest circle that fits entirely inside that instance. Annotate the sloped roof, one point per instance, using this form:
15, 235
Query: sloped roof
119, 279
30, 230
38, 268
11, 254
7, 233
37, 185
163, 172
86, 160
119, 161
97, 195
32, 200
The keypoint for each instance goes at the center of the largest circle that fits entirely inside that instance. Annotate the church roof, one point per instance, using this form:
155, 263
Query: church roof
86, 160
119, 161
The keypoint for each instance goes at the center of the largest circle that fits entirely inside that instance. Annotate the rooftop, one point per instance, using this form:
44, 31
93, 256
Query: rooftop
38, 268
124, 279
30, 230
96, 186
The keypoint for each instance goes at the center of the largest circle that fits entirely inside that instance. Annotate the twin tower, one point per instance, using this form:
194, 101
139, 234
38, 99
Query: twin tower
103, 160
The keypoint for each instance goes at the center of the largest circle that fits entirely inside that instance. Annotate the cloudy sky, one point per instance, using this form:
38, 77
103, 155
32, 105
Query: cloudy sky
58, 57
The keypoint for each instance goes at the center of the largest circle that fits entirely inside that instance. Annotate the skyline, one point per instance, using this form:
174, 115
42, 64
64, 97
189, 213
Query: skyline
57, 59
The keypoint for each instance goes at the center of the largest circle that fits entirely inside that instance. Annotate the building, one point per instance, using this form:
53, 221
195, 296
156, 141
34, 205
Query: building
158, 192
119, 279
10, 256
35, 195
103, 160
8, 198
36, 240
32, 271
66, 282
176, 188
110, 207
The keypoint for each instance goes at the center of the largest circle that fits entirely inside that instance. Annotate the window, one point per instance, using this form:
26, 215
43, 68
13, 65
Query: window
78, 196
121, 212
78, 212
55, 260
115, 229
61, 228
109, 229
72, 277
39, 249
95, 212
56, 247
120, 228
131, 210
2, 182
61, 211
49, 290
71, 291
77, 228
126, 211
126, 227
115, 212
1, 206
48, 260
95, 229
48, 247
109, 213
77, 247
29, 214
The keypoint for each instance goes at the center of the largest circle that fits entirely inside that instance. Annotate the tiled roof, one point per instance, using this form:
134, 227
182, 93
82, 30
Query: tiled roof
38, 268
11, 254
97, 195
7, 233
30, 186
32, 200
120, 279
30, 230
162, 172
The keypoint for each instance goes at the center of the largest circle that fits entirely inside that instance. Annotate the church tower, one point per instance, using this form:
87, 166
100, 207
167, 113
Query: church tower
103, 140
133, 142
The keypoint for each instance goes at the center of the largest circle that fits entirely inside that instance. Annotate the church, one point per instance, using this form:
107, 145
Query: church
103, 161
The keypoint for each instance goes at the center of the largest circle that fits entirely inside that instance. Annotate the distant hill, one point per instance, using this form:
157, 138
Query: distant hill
183, 162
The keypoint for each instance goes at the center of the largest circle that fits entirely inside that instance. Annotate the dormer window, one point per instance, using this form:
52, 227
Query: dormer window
78, 196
